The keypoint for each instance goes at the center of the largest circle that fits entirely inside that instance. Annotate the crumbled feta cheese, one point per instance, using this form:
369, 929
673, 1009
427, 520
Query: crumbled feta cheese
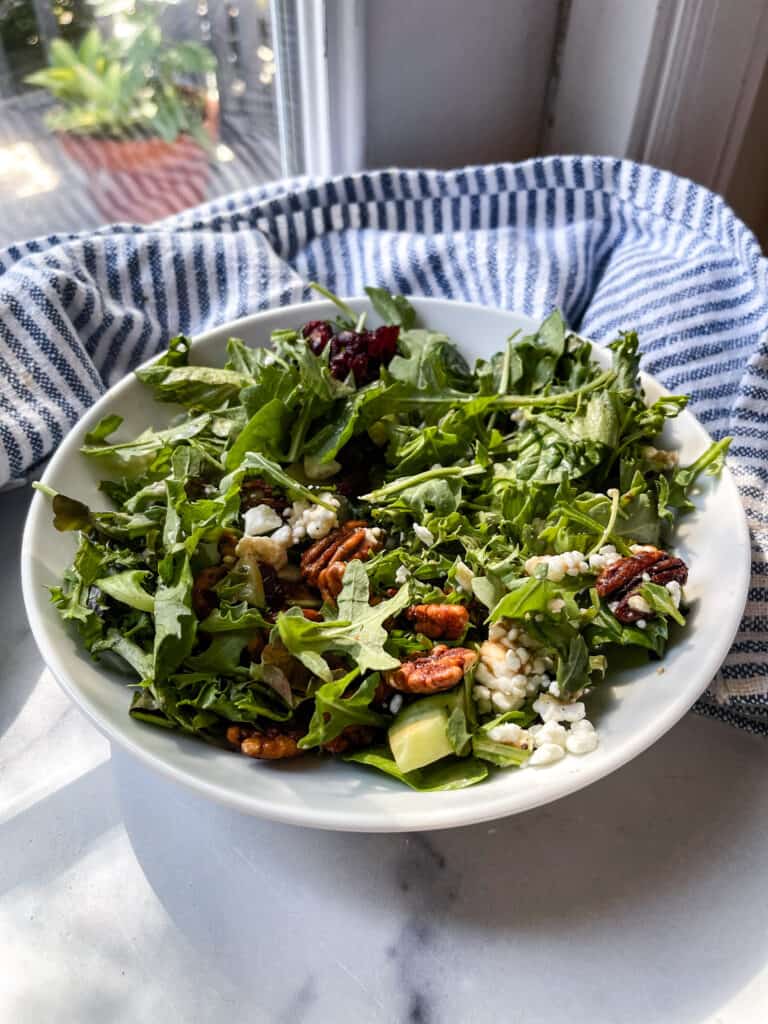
546, 754
555, 605
512, 661
550, 732
317, 470
396, 703
569, 563
675, 592
638, 604
503, 702
424, 535
552, 710
641, 624
601, 559
262, 549
464, 576
283, 536
261, 519
308, 519
582, 738
402, 574
509, 733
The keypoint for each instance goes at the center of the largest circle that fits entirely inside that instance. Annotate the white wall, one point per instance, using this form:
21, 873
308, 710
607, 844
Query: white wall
451, 82
604, 60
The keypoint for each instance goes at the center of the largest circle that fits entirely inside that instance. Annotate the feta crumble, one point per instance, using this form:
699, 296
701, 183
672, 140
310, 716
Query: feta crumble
638, 604
260, 520
464, 576
569, 563
424, 535
402, 575
581, 738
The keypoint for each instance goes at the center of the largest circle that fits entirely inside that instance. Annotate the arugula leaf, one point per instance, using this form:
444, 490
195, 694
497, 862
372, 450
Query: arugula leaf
70, 514
533, 594
660, 600
271, 471
573, 667
175, 622
236, 617
334, 712
106, 426
393, 309
358, 633
447, 774
130, 651
458, 732
429, 361
199, 387
127, 588
264, 432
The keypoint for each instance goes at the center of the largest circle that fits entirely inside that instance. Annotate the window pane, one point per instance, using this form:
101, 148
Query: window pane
131, 110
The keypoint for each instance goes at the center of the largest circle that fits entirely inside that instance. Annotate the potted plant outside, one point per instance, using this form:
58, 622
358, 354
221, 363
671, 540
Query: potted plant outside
130, 115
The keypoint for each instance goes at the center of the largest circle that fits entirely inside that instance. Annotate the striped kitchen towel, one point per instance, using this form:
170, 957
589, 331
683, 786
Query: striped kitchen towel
612, 243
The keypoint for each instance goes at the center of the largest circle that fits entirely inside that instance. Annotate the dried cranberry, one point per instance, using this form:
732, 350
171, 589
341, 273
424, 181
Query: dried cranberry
273, 588
383, 343
362, 353
318, 333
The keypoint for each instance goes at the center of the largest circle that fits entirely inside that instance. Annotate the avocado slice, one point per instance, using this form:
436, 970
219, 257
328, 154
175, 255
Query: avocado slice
419, 734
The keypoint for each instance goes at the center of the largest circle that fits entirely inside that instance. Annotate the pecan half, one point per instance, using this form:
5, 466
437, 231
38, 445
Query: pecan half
351, 737
323, 563
439, 670
623, 579
668, 569
204, 600
438, 621
268, 745
624, 572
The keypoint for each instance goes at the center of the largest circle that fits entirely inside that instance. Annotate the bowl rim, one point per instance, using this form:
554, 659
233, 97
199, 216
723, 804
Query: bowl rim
493, 806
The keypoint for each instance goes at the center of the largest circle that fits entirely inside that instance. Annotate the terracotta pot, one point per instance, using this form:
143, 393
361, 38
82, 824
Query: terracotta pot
144, 179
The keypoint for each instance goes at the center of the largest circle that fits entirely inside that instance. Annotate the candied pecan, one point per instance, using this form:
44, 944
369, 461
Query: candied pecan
351, 737
312, 614
623, 579
323, 563
438, 621
439, 670
625, 571
204, 600
668, 569
270, 744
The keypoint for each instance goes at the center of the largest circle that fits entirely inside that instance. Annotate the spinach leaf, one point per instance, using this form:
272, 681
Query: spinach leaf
450, 773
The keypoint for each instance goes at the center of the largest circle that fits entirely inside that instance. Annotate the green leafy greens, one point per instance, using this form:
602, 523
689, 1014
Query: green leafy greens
416, 480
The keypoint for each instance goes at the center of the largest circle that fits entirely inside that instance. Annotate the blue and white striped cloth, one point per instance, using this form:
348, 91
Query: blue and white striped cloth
612, 243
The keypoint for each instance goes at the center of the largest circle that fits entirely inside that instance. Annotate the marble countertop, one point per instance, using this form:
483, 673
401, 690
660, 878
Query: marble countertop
124, 898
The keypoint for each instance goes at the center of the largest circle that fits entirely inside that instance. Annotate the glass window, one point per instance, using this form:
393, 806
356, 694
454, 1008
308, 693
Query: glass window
131, 110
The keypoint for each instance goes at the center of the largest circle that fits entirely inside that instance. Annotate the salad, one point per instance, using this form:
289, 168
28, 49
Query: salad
349, 543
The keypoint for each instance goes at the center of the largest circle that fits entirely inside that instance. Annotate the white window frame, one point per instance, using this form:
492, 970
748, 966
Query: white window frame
696, 63
331, 48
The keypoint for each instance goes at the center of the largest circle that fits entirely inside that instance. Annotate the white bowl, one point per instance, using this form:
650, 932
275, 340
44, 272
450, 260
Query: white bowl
632, 709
